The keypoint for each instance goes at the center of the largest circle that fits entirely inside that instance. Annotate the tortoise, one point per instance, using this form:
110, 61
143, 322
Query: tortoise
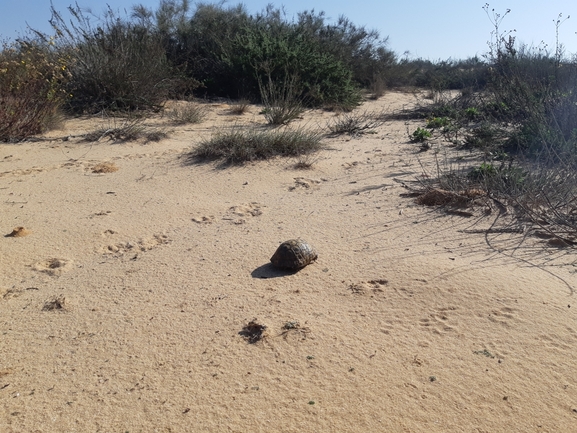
294, 254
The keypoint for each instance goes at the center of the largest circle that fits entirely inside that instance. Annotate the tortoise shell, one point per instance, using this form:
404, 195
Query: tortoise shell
294, 254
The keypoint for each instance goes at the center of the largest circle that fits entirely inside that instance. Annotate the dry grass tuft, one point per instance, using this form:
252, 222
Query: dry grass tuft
105, 167
187, 113
238, 145
239, 107
355, 123
441, 197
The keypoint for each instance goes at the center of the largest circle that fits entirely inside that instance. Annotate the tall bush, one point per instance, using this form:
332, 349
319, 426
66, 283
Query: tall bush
117, 65
32, 81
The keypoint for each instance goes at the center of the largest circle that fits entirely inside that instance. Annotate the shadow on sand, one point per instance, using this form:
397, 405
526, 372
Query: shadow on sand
269, 271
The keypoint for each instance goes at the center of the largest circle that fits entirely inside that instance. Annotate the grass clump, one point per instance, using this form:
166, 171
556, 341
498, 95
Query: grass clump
239, 107
238, 145
187, 113
282, 102
131, 129
355, 123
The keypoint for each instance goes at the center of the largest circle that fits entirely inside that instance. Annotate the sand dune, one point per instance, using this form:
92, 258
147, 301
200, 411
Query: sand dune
123, 307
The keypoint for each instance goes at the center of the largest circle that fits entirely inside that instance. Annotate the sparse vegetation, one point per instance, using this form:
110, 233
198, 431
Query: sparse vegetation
420, 135
130, 129
523, 126
517, 105
355, 123
239, 107
239, 145
187, 113
282, 102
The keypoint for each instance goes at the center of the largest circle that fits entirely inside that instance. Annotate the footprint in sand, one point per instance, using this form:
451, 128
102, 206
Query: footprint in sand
142, 245
371, 287
54, 266
302, 183
503, 316
10, 293
239, 214
349, 165
204, 219
439, 322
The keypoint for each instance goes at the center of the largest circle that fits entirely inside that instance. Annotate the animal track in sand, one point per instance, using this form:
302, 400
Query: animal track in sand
503, 316
142, 245
237, 214
10, 293
438, 322
25, 171
304, 183
369, 287
53, 266
553, 341
204, 219
349, 165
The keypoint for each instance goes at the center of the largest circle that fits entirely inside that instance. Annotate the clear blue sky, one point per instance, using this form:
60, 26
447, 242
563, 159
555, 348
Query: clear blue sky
434, 30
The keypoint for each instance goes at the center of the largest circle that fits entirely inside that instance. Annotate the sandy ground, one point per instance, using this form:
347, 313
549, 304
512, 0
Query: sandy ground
123, 303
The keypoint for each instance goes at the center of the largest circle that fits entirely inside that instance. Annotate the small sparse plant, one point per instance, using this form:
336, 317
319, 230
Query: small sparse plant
377, 87
131, 129
291, 325
472, 113
438, 122
239, 107
482, 172
420, 135
187, 113
355, 123
282, 101
484, 352
305, 162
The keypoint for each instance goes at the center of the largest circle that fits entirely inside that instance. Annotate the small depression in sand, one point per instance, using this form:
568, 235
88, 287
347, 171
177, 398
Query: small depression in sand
54, 266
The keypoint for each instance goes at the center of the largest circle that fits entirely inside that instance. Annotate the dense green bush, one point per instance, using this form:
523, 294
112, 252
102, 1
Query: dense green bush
119, 62
223, 43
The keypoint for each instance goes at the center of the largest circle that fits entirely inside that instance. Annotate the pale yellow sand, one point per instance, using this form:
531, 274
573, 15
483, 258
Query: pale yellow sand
121, 309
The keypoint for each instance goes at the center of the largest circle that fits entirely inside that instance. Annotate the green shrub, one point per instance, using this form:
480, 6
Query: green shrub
274, 49
420, 135
216, 43
437, 122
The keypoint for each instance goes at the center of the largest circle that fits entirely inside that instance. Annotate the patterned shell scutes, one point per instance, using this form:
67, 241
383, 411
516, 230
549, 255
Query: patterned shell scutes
294, 254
